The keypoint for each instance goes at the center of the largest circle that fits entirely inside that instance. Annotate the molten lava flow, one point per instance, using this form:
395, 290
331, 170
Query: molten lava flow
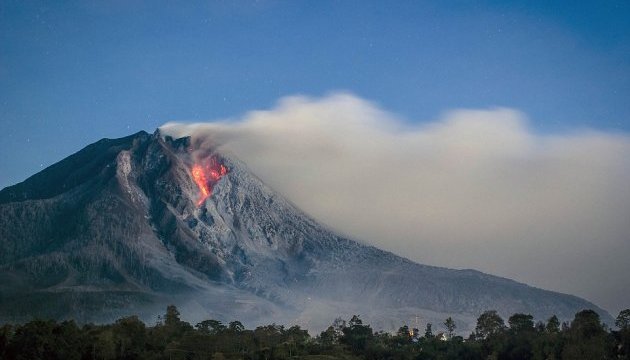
206, 176
202, 183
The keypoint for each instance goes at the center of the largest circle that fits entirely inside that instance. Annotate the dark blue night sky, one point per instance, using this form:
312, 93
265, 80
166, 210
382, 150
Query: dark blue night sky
74, 72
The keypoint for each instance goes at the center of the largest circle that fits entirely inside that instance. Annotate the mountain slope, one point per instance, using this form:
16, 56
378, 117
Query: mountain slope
115, 229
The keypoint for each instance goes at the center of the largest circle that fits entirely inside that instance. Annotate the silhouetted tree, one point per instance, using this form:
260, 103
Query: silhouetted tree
129, 337
553, 325
521, 336
210, 327
356, 335
547, 344
622, 337
489, 323
172, 316
521, 323
236, 326
403, 335
295, 339
623, 319
428, 332
586, 338
328, 337
449, 323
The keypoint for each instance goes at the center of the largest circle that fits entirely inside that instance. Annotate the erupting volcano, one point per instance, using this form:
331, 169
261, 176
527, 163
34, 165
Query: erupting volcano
206, 175
251, 254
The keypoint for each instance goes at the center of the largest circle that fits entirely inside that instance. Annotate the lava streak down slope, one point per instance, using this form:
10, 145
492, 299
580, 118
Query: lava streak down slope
127, 226
206, 175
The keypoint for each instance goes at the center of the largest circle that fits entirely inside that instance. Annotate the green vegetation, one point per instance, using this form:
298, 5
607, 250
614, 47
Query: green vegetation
171, 338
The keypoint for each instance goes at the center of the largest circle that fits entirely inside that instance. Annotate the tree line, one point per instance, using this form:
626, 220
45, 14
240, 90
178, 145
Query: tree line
585, 337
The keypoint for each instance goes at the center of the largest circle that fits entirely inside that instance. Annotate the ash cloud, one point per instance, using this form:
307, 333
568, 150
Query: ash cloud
473, 189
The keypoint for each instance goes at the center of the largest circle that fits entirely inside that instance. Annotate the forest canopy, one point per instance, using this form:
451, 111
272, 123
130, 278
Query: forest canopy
585, 337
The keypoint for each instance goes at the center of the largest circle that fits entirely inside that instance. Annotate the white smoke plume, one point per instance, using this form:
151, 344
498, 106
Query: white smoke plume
474, 189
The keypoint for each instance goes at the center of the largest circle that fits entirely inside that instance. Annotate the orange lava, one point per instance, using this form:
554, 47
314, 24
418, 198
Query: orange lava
202, 182
206, 176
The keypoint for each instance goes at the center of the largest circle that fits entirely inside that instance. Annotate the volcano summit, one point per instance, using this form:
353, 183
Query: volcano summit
127, 226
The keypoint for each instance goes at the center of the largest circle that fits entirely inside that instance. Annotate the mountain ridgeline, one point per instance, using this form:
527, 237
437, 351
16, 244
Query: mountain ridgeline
115, 230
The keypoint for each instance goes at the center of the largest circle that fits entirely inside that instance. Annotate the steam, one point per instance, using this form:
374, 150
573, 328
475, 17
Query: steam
474, 189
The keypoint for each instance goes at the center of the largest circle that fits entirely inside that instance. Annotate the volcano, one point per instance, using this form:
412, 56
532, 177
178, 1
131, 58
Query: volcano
125, 226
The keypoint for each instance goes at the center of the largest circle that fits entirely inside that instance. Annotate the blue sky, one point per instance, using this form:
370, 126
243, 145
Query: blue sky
74, 72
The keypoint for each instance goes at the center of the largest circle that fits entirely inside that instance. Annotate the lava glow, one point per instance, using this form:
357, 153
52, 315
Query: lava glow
206, 176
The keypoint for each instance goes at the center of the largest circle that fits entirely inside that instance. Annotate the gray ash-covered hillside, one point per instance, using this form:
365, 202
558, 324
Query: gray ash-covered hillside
115, 229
